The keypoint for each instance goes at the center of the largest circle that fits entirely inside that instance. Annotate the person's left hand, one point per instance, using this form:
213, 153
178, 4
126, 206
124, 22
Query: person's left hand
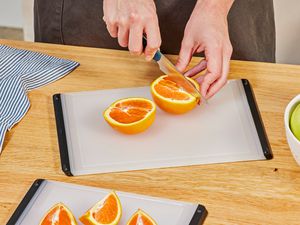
207, 31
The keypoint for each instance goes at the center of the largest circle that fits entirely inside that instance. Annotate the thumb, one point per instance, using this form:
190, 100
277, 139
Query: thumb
184, 58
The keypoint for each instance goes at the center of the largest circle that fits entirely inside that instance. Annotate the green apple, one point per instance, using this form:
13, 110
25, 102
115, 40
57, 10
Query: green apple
295, 122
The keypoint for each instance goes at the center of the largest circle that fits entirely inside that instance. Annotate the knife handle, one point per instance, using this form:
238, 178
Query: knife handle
157, 55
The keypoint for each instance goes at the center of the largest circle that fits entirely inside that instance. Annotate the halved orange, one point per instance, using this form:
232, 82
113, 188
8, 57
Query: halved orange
108, 211
141, 218
172, 98
59, 214
130, 115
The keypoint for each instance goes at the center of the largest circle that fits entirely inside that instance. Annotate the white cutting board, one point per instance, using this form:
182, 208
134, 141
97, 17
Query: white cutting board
222, 131
81, 198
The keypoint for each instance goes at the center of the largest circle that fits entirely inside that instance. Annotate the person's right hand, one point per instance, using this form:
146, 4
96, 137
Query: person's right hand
128, 20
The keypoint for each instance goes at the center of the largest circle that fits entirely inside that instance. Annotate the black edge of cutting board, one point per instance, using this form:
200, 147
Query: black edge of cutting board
263, 138
199, 216
25, 201
61, 135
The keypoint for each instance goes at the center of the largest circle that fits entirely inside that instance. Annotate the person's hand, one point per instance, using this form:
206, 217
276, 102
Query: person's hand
128, 20
207, 31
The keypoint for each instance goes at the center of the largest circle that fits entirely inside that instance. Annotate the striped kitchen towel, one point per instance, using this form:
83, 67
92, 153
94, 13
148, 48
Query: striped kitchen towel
22, 71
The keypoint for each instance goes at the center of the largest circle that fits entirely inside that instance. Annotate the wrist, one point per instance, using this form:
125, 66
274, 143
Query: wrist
218, 6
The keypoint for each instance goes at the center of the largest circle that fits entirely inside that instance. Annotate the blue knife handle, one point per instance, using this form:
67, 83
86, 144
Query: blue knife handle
157, 55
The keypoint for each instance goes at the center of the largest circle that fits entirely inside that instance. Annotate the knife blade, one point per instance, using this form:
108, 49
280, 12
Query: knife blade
167, 67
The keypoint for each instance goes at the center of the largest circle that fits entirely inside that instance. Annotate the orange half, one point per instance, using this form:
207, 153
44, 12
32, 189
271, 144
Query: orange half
172, 98
59, 214
108, 211
130, 115
141, 218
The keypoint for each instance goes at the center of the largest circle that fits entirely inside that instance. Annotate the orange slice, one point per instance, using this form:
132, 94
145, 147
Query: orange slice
170, 97
59, 214
130, 115
108, 211
141, 218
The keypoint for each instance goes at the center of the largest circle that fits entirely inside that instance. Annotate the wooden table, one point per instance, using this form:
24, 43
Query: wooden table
257, 192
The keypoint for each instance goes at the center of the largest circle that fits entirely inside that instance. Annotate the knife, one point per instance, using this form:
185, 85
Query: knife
175, 75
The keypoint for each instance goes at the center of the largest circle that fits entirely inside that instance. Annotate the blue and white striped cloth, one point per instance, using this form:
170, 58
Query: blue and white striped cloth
20, 72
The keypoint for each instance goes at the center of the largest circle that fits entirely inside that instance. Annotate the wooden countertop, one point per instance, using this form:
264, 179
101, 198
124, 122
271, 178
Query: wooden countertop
257, 192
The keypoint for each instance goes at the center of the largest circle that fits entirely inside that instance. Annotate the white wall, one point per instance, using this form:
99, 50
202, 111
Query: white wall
27, 8
11, 13
287, 18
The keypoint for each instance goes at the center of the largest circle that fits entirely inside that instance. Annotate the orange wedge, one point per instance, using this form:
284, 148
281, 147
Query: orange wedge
170, 97
59, 214
141, 218
130, 115
108, 211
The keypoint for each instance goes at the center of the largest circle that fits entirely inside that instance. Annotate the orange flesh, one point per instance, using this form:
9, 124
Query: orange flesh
140, 220
107, 212
170, 89
57, 216
130, 111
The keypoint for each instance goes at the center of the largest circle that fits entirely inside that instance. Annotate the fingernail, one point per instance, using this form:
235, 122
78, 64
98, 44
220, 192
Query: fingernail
179, 68
187, 74
200, 79
148, 58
